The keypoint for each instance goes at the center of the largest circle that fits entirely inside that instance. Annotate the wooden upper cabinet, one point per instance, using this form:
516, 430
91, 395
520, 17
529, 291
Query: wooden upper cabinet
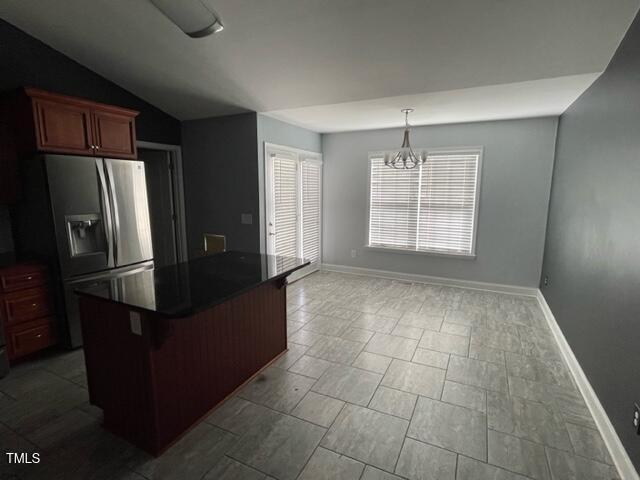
62, 127
114, 134
63, 124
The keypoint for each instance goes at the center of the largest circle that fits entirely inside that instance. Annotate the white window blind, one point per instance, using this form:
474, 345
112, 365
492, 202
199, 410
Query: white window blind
310, 172
285, 181
430, 209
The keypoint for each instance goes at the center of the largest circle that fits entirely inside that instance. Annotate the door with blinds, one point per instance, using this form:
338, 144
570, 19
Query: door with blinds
294, 205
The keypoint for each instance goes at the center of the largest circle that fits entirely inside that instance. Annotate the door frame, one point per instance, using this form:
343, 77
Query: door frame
175, 153
300, 156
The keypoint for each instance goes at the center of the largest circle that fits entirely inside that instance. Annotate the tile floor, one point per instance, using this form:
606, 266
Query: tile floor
383, 380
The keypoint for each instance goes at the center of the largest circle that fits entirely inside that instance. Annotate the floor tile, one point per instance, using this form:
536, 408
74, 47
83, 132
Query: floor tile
468, 316
357, 335
318, 409
539, 370
495, 339
280, 447
451, 427
238, 415
407, 332
393, 402
33, 411
486, 354
566, 466
350, 384
327, 465
431, 358
444, 342
288, 358
310, 366
518, 455
372, 473
23, 385
230, 469
477, 373
530, 420
336, 350
419, 461
470, 469
567, 401
391, 346
456, 329
372, 362
305, 337
425, 321
277, 389
375, 322
465, 396
300, 316
194, 455
63, 428
588, 442
325, 325
368, 436
414, 378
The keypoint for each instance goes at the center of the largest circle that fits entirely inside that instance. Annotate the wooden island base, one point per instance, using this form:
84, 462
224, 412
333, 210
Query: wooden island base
157, 378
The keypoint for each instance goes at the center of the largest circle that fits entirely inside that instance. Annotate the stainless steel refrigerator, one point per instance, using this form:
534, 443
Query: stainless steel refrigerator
99, 220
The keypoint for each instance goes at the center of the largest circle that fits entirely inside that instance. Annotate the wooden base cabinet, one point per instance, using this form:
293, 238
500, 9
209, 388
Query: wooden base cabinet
158, 380
27, 309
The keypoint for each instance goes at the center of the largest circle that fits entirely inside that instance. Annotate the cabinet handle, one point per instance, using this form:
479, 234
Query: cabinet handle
39, 335
97, 147
34, 304
29, 277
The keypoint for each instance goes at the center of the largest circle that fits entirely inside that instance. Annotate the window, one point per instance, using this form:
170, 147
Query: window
432, 208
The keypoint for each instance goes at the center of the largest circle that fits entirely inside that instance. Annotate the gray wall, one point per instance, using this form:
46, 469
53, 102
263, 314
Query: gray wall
221, 180
592, 254
275, 131
516, 179
27, 61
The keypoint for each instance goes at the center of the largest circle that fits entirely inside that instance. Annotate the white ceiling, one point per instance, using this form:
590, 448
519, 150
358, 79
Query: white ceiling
336, 65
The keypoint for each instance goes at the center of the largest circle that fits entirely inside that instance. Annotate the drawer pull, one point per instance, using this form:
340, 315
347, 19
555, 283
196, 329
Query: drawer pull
29, 277
39, 335
34, 304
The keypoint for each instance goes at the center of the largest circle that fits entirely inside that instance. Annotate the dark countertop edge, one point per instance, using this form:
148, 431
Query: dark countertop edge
192, 311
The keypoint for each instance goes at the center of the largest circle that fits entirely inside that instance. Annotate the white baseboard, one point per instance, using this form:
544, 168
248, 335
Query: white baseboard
618, 453
450, 282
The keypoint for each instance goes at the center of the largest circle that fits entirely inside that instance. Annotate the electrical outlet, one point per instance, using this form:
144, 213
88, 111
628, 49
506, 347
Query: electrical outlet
354, 253
636, 418
546, 281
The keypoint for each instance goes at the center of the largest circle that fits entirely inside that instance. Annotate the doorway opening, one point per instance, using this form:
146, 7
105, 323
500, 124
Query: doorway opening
163, 166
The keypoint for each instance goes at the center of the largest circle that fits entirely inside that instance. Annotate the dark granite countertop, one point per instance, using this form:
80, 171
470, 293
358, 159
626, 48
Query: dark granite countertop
185, 288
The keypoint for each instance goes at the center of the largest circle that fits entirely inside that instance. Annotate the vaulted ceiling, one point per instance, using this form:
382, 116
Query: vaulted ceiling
335, 65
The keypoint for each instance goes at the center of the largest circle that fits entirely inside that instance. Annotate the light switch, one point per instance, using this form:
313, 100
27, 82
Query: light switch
246, 218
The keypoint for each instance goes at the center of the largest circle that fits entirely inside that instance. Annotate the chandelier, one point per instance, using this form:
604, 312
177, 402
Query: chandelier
405, 158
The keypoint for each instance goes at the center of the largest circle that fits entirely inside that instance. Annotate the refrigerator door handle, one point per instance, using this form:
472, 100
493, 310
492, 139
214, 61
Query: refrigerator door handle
114, 210
107, 213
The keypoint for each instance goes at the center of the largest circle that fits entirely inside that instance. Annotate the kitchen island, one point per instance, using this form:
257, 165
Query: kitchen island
163, 347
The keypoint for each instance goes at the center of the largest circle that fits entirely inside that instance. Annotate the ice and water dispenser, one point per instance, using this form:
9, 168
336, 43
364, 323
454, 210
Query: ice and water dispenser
86, 234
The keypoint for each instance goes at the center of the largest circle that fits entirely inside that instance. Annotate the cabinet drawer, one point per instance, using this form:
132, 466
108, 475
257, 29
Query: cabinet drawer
19, 280
31, 337
27, 305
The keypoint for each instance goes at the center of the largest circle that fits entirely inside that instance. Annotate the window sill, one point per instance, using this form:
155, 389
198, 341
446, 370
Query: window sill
461, 256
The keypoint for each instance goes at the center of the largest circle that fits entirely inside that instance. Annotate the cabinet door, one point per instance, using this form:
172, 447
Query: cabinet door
64, 128
115, 134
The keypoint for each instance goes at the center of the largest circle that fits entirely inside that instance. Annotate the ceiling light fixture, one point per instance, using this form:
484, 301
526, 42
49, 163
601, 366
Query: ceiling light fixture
192, 16
405, 158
